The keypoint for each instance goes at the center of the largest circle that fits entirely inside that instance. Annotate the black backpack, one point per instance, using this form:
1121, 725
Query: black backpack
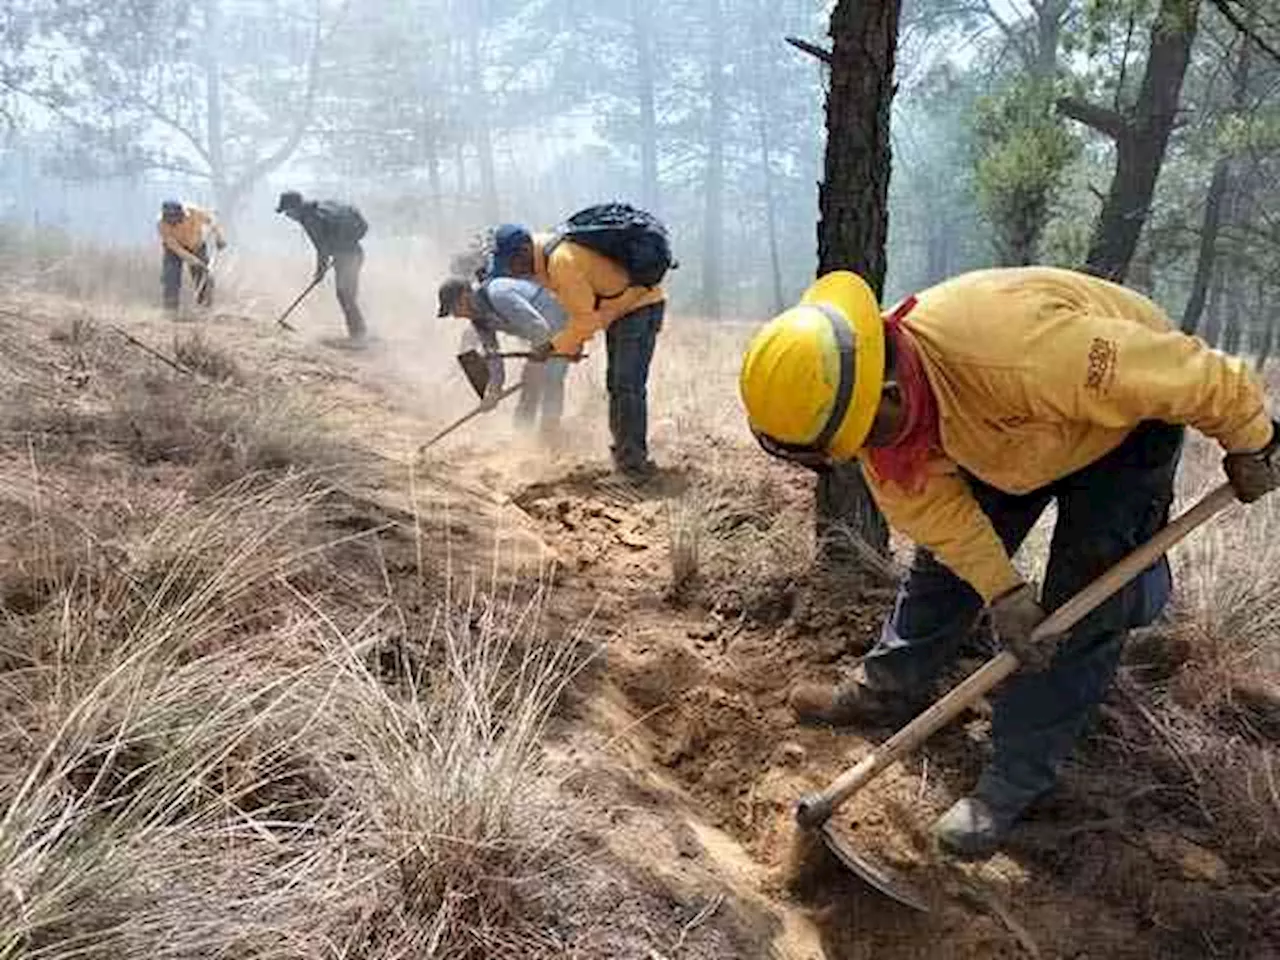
347, 224
634, 239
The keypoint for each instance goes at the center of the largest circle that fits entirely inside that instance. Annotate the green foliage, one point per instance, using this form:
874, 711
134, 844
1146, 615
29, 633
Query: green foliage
1022, 151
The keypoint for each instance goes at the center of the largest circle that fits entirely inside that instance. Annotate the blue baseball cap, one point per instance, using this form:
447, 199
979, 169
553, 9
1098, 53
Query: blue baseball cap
508, 240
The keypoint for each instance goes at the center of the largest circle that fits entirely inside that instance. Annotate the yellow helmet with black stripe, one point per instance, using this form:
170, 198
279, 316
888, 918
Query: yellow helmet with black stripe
812, 376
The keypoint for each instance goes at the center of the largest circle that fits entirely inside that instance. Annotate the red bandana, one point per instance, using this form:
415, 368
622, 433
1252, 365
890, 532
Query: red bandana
902, 460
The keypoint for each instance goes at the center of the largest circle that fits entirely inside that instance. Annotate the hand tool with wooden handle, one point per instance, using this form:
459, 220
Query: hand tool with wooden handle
466, 417
815, 809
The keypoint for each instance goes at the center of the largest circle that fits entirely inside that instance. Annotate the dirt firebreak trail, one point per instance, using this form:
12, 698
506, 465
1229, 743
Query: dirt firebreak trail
684, 734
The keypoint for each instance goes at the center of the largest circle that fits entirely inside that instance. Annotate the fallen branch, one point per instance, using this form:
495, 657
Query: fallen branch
154, 352
821, 53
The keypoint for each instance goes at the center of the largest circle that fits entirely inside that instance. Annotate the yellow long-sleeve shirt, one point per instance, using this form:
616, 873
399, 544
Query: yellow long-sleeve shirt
1039, 372
186, 236
593, 290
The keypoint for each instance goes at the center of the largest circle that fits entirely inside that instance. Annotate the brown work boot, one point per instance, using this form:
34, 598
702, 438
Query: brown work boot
850, 704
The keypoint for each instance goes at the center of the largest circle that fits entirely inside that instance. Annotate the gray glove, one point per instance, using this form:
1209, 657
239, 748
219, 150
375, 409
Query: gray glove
1014, 615
1254, 475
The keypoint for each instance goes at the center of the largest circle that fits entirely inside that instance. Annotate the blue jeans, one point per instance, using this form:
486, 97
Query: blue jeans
630, 341
1104, 511
171, 279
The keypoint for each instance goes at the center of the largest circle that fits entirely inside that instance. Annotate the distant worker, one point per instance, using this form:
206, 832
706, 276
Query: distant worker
185, 231
972, 407
619, 292
521, 309
335, 229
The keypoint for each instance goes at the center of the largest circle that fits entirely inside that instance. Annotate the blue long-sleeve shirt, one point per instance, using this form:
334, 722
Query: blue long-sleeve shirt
519, 308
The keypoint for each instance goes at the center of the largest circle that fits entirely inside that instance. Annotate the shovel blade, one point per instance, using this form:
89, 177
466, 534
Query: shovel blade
879, 876
476, 369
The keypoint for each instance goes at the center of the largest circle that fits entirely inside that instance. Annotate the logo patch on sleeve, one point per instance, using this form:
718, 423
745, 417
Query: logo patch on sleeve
1102, 365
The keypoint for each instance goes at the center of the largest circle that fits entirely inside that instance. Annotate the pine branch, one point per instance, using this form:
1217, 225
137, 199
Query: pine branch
1102, 119
1233, 18
821, 53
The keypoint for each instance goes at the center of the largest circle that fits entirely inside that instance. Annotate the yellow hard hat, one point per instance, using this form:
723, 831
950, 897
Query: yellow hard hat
811, 377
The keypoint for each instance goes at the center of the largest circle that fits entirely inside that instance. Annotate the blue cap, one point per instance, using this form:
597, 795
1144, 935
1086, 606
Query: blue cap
508, 240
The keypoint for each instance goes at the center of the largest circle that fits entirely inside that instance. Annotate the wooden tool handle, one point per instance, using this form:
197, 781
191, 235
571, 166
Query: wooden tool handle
466, 418
815, 809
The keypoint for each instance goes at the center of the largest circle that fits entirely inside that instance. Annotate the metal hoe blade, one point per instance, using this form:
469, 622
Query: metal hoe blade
881, 878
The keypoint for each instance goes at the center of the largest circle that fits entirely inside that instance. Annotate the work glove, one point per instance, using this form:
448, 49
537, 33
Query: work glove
321, 269
1014, 615
220, 243
1254, 475
491, 397
540, 352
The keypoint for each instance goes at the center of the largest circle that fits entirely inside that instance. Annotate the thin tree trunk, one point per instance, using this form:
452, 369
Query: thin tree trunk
1140, 137
642, 29
854, 221
1218, 198
431, 145
214, 132
1209, 227
713, 210
482, 136
763, 88
1213, 313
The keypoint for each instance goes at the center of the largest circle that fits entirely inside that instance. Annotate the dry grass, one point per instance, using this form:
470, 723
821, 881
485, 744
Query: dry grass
203, 763
203, 754
197, 354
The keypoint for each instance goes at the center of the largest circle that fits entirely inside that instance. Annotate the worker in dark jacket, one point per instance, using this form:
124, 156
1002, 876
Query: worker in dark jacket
336, 230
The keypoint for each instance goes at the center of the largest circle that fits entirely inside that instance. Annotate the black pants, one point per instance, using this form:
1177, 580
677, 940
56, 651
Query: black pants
1104, 511
630, 341
171, 278
346, 272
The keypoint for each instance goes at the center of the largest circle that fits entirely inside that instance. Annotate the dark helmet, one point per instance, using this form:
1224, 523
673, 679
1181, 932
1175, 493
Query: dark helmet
171, 210
289, 200
450, 293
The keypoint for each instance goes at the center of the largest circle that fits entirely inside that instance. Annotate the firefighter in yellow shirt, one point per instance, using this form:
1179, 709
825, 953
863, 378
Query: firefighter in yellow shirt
597, 294
971, 407
185, 231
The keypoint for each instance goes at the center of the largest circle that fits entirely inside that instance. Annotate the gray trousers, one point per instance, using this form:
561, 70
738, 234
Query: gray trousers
346, 275
1104, 512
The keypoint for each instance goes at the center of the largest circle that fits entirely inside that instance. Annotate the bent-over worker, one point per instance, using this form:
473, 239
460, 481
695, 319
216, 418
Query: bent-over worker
596, 294
524, 310
971, 407
335, 230
185, 230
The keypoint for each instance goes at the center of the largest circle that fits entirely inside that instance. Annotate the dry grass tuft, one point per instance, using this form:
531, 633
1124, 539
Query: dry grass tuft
200, 356
462, 803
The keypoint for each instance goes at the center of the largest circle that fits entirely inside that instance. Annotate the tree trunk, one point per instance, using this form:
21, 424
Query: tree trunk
642, 29
763, 68
853, 202
480, 116
1213, 203
214, 133
1213, 314
713, 210
1140, 138
1217, 199
431, 147
853, 199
